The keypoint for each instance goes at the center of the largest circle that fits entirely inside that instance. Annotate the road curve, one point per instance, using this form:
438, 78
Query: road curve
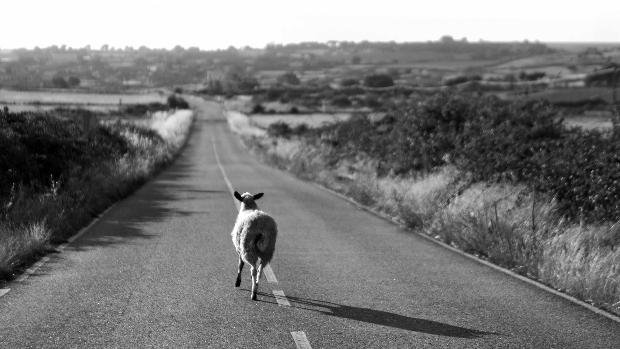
158, 270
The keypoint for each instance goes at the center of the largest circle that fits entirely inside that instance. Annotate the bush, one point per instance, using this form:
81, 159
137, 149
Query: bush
341, 101
494, 140
348, 82
288, 78
36, 148
177, 102
258, 109
59, 82
142, 109
279, 129
378, 80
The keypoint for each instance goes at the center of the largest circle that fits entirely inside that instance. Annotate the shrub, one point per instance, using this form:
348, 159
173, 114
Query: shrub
349, 82
36, 148
59, 82
341, 101
494, 140
288, 78
279, 129
177, 102
142, 109
378, 80
258, 109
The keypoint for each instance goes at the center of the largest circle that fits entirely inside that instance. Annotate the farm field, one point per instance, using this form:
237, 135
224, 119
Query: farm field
102, 108
587, 122
12, 97
310, 120
568, 95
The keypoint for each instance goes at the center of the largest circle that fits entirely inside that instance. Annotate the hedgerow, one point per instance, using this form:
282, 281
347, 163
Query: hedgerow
54, 176
37, 149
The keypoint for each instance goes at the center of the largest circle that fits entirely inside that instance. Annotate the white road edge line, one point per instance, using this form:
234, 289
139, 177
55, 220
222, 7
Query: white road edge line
535, 283
281, 298
4, 291
32, 269
301, 341
60, 248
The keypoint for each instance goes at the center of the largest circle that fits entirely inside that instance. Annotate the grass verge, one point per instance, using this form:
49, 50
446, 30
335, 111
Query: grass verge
87, 175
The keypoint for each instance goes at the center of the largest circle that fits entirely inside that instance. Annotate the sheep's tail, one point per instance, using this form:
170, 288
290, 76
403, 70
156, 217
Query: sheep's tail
264, 247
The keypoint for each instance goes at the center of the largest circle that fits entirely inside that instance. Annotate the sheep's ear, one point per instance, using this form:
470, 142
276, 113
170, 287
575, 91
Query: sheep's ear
258, 196
238, 196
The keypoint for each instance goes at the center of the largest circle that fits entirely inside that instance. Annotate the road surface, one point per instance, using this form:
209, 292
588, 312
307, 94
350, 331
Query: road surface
158, 270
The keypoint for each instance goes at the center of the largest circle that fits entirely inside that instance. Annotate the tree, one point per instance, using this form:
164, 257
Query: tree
59, 82
73, 81
446, 39
288, 78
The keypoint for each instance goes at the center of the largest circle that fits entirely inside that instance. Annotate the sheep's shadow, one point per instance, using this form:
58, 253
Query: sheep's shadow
380, 317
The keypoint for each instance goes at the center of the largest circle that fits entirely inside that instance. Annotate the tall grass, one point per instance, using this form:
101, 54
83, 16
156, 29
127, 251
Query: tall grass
240, 124
31, 219
585, 262
507, 224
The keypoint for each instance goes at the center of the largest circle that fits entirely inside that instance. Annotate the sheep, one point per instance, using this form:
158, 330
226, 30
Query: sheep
254, 237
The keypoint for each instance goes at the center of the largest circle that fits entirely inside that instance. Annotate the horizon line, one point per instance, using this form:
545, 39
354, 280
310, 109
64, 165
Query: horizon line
327, 42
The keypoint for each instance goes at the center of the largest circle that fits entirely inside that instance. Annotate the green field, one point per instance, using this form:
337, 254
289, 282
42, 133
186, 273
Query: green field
571, 95
310, 120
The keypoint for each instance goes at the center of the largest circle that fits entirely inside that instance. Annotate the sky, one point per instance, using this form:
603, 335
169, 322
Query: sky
256, 23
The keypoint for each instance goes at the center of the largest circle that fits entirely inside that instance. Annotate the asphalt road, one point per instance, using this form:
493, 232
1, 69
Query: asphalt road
158, 270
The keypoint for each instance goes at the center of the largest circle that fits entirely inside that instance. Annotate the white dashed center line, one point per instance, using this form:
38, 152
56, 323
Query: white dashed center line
300, 340
281, 298
271, 277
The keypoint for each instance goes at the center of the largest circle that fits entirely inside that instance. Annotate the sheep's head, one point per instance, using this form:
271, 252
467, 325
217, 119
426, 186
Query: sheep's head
248, 201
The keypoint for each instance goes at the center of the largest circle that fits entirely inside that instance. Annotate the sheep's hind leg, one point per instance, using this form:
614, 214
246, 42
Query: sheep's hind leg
259, 273
238, 282
254, 282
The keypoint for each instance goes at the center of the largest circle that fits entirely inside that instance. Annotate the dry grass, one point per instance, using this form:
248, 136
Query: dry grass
240, 124
585, 262
20, 242
501, 223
